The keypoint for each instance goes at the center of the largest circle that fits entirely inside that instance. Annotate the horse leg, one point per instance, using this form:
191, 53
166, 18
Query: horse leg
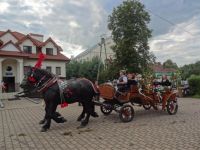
57, 116
89, 110
82, 114
44, 119
93, 113
86, 120
48, 116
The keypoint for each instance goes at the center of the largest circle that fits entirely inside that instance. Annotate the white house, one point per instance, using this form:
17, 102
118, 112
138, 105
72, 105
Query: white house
94, 51
19, 51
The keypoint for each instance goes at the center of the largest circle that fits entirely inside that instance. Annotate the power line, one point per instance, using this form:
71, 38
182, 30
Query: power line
168, 21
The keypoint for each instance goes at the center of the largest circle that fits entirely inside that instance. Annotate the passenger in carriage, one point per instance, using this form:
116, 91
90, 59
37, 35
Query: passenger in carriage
131, 80
165, 82
121, 83
167, 88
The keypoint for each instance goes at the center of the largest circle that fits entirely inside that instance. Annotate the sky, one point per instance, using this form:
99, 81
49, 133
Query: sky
79, 24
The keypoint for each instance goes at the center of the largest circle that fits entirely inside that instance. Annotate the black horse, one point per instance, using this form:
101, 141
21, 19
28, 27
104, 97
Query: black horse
77, 90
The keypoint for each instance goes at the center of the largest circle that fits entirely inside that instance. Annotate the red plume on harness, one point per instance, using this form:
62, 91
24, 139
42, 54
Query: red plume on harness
37, 65
40, 59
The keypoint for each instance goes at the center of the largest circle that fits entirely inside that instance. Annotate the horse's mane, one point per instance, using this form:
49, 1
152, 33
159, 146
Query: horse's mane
44, 72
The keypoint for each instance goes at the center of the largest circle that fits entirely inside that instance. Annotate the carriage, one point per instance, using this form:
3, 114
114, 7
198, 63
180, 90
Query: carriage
135, 96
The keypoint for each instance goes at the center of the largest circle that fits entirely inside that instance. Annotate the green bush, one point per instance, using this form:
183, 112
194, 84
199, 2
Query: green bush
194, 82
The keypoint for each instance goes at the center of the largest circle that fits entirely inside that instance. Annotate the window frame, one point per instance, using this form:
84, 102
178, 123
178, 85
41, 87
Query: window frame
49, 50
58, 72
49, 68
28, 50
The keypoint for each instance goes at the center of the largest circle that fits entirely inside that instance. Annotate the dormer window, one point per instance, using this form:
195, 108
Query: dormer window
27, 49
49, 51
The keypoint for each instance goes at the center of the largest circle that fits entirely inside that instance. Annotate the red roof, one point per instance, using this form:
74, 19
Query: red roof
21, 38
36, 34
52, 41
51, 57
12, 53
35, 42
159, 68
11, 42
17, 35
59, 57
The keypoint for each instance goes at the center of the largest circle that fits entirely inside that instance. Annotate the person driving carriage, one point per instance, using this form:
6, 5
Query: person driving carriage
121, 83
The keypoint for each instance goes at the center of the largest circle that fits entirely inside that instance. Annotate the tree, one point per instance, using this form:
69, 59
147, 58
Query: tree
190, 69
72, 69
170, 64
87, 69
130, 32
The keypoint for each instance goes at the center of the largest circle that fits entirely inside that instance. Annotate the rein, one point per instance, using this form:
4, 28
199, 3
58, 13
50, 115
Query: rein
47, 84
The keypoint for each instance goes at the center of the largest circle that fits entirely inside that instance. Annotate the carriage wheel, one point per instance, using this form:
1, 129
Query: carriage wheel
172, 107
126, 113
106, 108
147, 106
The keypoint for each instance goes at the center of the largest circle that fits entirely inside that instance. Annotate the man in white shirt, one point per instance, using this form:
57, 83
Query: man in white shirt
121, 83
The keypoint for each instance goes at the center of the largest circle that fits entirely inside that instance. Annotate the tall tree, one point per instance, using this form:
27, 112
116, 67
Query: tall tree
170, 64
129, 25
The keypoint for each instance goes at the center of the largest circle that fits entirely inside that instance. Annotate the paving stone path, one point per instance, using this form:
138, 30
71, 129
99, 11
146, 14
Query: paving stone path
156, 130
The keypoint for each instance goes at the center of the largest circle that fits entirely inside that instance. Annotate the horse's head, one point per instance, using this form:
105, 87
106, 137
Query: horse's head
34, 78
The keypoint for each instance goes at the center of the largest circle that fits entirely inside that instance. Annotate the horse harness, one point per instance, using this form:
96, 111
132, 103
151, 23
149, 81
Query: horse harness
46, 85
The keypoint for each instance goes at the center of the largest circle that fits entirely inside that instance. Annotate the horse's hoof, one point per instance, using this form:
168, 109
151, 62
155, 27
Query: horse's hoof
83, 123
80, 127
42, 121
79, 119
63, 120
57, 114
43, 130
95, 115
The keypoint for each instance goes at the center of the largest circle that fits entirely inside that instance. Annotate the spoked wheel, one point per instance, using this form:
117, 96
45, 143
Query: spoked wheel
172, 107
126, 113
106, 108
147, 106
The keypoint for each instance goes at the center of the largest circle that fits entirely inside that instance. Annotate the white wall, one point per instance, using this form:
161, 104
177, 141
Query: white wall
13, 64
46, 63
7, 37
49, 45
96, 52
9, 47
28, 43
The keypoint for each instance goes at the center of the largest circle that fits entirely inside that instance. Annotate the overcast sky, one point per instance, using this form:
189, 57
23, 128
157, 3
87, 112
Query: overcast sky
78, 24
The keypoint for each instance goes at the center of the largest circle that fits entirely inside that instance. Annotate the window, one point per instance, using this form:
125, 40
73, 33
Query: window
26, 69
49, 51
27, 49
48, 68
58, 70
38, 50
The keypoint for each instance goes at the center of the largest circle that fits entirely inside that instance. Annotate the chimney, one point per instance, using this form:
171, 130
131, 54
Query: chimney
38, 37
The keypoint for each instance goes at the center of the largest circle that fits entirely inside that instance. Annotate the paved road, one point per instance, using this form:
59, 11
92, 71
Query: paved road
19, 129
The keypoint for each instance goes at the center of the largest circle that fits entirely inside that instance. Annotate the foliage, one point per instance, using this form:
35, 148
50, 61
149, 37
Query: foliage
110, 73
191, 69
128, 23
194, 82
87, 69
170, 64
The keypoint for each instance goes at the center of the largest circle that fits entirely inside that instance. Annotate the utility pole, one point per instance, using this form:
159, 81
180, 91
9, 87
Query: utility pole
100, 44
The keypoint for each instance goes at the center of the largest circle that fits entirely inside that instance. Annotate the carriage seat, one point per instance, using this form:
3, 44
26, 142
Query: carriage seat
134, 89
